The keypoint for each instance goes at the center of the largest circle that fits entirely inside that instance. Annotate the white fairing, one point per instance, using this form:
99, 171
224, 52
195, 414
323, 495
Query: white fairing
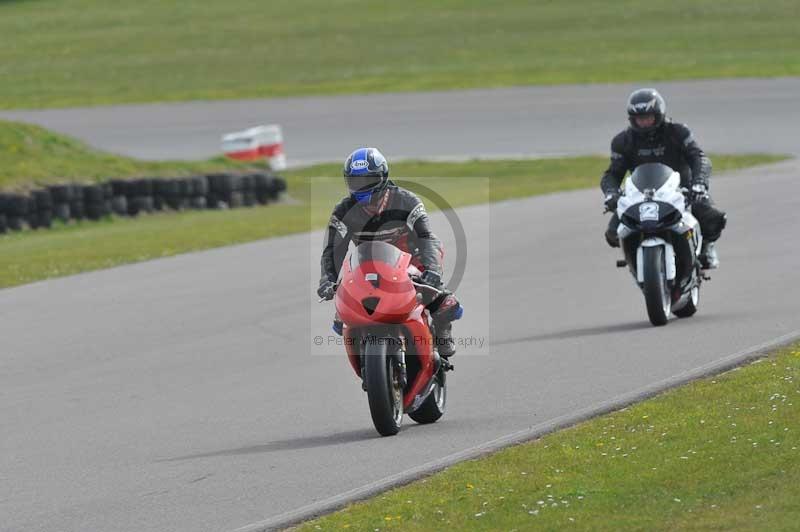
670, 192
669, 258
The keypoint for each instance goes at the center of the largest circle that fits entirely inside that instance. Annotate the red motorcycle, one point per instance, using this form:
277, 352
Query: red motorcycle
388, 338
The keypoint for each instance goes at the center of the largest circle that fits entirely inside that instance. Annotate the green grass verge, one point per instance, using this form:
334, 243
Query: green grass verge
31, 155
718, 454
75, 52
30, 256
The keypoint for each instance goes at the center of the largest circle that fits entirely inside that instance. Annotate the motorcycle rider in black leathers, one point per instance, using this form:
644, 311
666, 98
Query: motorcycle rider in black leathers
652, 138
377, 209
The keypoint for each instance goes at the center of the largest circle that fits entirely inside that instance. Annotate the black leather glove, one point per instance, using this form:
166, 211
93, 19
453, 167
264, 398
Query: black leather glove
698, 193
326, 290
612, 198
431, 278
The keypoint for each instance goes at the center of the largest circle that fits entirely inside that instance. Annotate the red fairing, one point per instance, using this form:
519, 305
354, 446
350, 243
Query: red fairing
420, 335
373, 293
351, 346
397, 295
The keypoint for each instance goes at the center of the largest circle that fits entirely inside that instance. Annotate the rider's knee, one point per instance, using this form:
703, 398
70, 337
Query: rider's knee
712, 221
611, 238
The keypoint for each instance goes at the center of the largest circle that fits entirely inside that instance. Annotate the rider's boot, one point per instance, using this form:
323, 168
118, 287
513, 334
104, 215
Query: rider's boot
447, 310
444, 339
612, 239
708, 256
611, 232
338, 326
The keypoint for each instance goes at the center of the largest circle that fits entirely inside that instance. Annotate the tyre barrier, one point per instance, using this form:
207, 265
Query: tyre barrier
133, 197
16, 211
3, 219
77, 208
62, 196
40, 209
94, 202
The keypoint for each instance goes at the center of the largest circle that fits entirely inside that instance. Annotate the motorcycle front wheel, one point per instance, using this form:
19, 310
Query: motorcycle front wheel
384, 387
655, 288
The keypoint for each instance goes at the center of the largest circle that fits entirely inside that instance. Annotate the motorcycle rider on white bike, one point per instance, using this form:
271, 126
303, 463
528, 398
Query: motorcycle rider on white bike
653, 138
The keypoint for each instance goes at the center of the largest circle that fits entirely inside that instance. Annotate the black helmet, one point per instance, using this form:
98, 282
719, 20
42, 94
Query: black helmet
365, 173
646, 102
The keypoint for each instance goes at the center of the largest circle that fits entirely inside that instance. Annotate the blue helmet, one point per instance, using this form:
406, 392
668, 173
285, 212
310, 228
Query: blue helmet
365, 173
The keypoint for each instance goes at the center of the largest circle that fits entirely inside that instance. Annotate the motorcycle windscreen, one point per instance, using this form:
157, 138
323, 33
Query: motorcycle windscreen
651, 176
375, 252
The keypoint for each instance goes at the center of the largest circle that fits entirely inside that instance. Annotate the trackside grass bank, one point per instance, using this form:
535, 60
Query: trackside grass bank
86, 52
721, 453
68, 249
31, 155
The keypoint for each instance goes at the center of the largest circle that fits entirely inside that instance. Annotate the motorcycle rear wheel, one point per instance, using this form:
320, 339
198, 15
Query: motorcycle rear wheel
690, 307
384, 387
655, 288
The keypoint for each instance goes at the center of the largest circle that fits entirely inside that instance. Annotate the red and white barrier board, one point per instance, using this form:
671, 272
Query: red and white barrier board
256, 143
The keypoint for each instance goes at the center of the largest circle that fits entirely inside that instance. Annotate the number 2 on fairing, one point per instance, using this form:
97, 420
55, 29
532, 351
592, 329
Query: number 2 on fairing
648, 211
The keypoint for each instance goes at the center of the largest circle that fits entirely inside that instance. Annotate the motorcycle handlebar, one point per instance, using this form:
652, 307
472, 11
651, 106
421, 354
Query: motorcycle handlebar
322, 299
414, 280
417, 284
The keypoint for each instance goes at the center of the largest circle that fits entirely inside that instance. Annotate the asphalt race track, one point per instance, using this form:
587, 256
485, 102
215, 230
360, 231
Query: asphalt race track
186, 394
755, 115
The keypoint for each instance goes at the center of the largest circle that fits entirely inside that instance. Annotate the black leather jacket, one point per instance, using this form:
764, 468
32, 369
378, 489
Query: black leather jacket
671, 144
398, 218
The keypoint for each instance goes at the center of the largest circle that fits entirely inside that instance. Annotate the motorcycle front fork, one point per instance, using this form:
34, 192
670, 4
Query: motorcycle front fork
399, 359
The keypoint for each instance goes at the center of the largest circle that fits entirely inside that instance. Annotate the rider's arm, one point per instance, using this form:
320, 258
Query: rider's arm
430, 247
694, 155
617, 167
337, 238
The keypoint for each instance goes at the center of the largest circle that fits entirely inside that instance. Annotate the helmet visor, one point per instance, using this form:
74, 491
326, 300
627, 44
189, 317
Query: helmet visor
356, 183
645, 120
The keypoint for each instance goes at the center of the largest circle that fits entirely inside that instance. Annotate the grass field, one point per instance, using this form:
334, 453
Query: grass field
79, 52
718, 454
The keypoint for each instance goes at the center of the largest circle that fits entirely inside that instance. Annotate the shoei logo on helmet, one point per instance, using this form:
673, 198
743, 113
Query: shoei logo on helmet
359, 165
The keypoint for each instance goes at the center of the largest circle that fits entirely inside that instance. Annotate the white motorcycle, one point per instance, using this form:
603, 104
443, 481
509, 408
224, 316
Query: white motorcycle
661, 240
